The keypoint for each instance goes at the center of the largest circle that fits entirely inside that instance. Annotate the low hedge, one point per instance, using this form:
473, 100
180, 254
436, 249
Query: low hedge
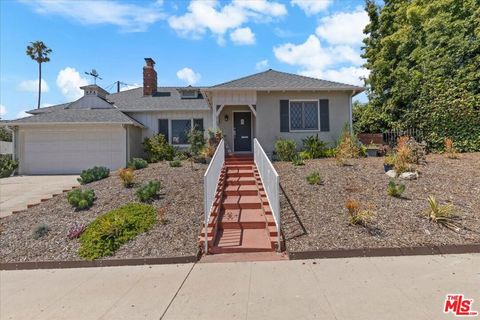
93, 174
109, 231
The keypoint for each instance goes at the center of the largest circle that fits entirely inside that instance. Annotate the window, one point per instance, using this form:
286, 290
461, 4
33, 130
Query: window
180, 130
189, 94
304, 115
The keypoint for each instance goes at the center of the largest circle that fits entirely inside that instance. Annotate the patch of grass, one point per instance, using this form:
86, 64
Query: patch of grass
314, 178
93, 174
108, 232
148, 191
137, 163
127, 176
81, 199
175, 163
395, 190
40, 230
358, 216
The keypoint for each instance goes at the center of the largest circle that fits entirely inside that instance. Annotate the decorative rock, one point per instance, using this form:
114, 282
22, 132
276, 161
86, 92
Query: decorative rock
391, 173
409, 175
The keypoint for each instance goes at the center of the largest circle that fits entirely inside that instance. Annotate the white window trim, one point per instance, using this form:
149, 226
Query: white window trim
170, 130
318, 115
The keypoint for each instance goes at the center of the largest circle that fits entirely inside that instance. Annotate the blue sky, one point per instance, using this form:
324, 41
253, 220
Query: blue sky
192, 42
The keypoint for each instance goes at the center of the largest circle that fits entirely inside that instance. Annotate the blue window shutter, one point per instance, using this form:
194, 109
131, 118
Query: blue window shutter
324, 115
163, 127
284, 116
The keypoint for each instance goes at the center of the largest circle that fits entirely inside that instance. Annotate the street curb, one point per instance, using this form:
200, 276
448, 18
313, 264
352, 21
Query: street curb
385, 252
30, 265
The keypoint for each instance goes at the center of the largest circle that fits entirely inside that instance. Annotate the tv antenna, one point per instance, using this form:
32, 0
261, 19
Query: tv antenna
94, 74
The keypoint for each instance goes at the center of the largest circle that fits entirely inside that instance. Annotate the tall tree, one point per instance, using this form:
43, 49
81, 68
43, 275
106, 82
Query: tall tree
39, 52
424, 62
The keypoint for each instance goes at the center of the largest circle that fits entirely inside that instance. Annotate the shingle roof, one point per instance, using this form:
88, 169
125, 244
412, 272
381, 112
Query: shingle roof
167, 98
79, 116
276, 80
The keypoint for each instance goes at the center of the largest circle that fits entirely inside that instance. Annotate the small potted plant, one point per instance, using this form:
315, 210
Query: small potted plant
389, 162
372, 150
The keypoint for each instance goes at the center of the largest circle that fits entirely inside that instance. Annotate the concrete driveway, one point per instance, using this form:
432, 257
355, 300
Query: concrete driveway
19, 191
355, 288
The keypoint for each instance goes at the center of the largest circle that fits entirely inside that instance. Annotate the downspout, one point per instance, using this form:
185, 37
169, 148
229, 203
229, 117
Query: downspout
350, 119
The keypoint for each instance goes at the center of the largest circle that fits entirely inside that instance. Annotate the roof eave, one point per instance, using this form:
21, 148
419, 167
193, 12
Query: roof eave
349, 88
74, 123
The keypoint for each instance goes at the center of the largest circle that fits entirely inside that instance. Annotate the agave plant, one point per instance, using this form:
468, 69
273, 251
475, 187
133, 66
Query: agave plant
442, 214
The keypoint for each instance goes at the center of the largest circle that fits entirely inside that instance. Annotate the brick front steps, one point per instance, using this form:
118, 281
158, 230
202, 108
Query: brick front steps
241, 219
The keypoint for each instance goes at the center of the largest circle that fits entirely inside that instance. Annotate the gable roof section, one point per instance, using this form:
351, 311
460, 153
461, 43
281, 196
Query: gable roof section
273, 80
58, 116
167, 98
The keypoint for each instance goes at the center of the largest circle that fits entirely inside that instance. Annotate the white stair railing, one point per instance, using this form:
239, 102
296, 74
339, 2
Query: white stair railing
210, 184
271, 183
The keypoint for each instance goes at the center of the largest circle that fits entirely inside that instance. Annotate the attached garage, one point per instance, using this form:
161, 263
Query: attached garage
60, 149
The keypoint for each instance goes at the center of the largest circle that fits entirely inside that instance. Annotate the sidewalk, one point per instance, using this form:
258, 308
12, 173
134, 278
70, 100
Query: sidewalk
355, 288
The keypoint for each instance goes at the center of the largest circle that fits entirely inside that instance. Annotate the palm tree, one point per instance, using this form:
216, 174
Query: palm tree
39, 52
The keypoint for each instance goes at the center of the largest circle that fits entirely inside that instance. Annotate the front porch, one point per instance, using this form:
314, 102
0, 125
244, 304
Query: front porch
239, 126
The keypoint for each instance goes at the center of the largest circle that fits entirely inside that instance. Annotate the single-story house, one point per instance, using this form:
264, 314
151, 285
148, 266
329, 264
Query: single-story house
108, 129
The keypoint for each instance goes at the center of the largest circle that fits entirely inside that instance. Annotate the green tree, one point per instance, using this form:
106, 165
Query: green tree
424, 62
39, 52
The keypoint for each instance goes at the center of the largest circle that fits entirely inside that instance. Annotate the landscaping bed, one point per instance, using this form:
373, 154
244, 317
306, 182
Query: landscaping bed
317, 218
181, 195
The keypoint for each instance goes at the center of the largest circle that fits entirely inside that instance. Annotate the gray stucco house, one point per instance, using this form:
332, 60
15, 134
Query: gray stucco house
108, 129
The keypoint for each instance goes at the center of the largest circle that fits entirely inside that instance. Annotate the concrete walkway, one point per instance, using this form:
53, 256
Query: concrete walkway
354, 288
19, 191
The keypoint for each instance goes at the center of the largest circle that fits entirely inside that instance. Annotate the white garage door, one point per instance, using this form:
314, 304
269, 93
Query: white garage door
67, 150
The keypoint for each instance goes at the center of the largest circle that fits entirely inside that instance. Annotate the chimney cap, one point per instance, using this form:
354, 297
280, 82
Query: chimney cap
149, 61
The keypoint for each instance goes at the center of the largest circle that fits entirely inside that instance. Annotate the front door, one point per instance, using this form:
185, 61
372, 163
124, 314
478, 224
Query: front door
242, 131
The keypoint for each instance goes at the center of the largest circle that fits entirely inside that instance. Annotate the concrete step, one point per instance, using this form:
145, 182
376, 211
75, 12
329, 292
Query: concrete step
241, 190
242, 202
243, 219
241, 180
242, 240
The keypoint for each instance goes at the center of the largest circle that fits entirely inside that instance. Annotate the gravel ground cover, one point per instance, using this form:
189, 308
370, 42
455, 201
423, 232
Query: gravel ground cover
315, 218
181, 195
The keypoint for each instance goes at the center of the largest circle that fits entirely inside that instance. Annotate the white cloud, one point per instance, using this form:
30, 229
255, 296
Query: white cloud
343, 27
208, 15
349, 75
242, 36
261, 65
311, 7
23, 114
32, 86
188, 75
69, 82
3, 110
129, 17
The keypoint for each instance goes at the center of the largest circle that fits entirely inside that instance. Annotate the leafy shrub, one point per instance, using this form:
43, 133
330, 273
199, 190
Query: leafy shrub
297, 161
390, 159
214, 137
450, 150
40, 230
7, 165
137, 163
196, 141
76, 230
314, 146
395, 190
314, 178
347, 147
5, 134
109, 231
304, 155
93, 174
418, 151
330, 152
208, 151
285, 149
158, 148
438, 213
148, 191
181, 155
175, 163
81, 199
403, 155
358, 216
126, 175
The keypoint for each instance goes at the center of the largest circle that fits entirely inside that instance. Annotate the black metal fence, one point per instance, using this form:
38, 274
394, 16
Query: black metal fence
390, 137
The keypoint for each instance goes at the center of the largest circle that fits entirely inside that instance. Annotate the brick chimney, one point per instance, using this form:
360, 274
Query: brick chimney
149, 78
